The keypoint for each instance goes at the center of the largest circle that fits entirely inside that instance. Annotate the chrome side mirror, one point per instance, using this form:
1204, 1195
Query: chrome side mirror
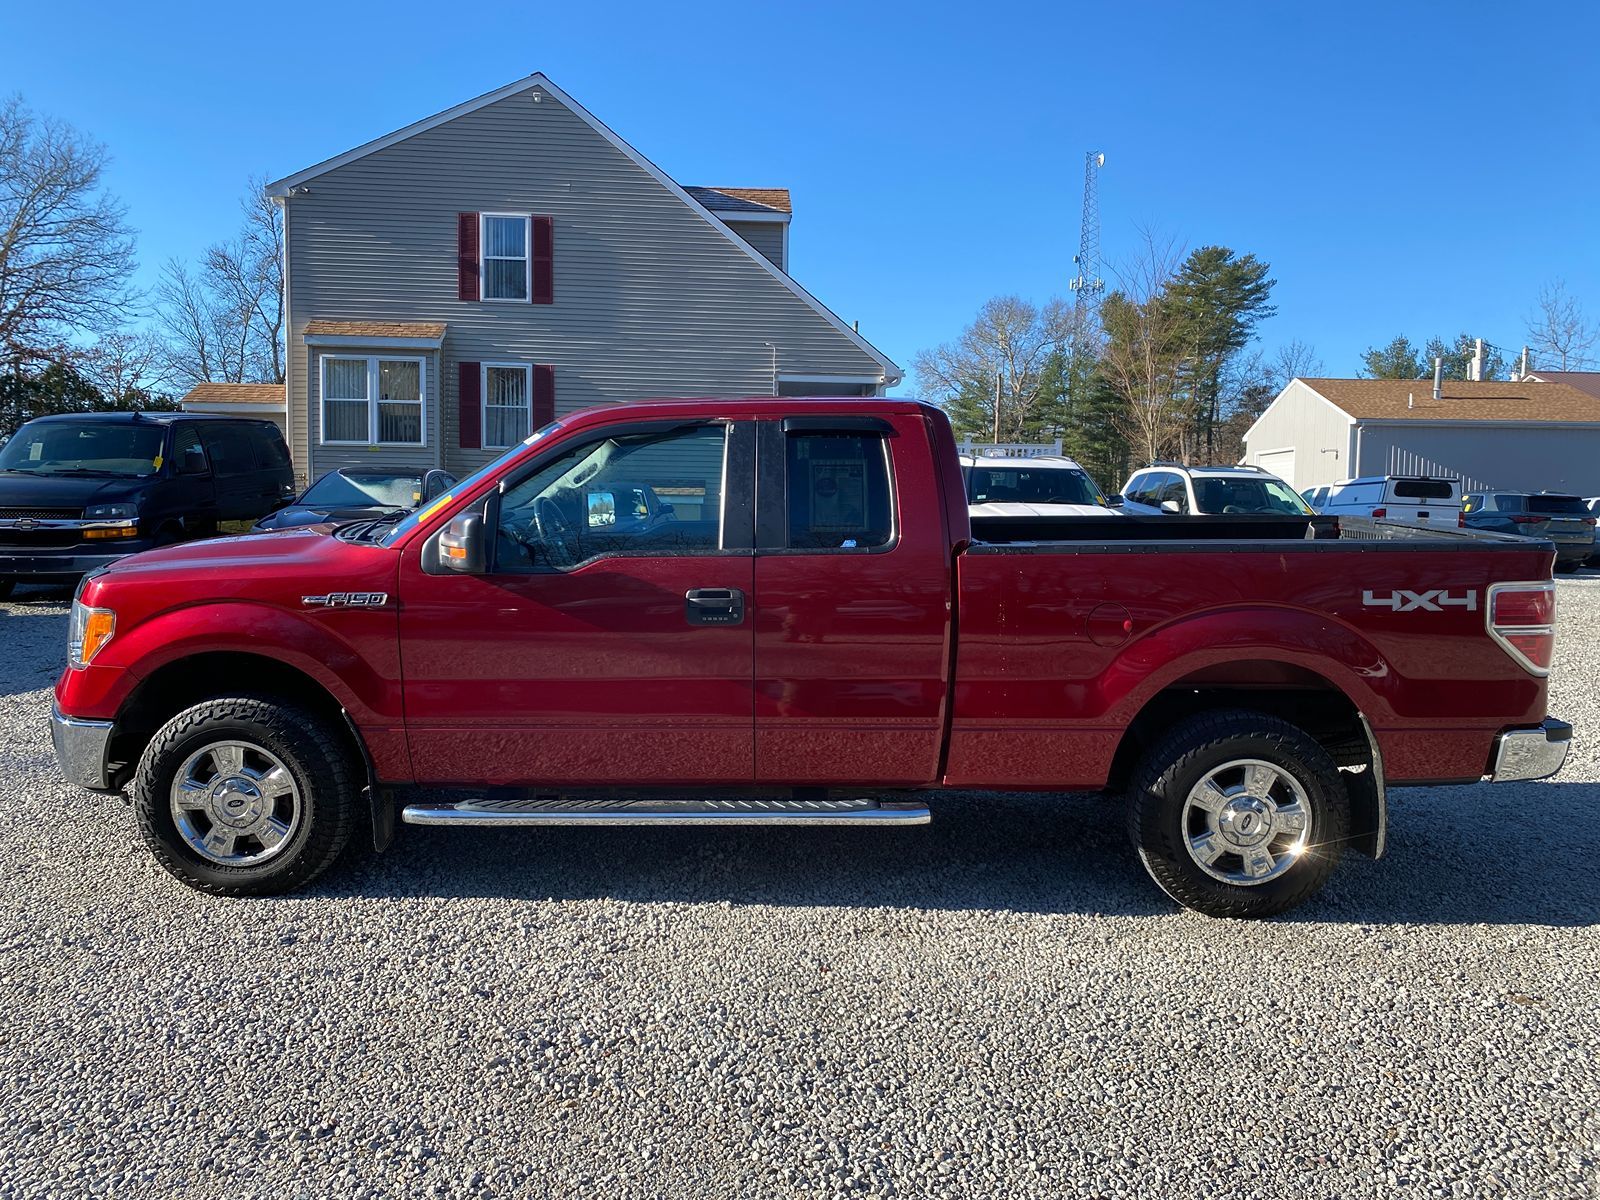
461, 545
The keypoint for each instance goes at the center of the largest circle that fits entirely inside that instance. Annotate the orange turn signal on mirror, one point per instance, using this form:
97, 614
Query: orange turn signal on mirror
455, 551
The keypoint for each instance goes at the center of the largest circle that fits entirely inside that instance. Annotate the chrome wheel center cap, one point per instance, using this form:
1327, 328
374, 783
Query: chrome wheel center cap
1245, 821
236, 802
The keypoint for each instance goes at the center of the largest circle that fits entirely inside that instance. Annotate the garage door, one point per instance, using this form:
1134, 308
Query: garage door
1279, 462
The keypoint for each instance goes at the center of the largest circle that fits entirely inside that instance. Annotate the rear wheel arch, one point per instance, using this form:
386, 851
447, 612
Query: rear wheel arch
1304, 698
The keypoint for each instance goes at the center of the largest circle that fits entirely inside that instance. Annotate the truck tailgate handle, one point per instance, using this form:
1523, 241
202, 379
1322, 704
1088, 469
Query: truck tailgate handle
713, 606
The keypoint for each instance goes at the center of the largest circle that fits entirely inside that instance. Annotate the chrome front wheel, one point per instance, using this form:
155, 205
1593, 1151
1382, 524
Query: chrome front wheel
235, 803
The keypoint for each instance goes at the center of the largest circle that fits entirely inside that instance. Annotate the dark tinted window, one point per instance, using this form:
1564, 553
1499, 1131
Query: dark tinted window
1423, 489
1030, 485
1174, 491
271, 450
1558, 505
190, 456
84, 448
231, 450
1503, 503
838, 491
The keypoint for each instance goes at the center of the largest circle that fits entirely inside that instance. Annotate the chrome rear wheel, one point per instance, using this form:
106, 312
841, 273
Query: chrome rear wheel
1246, 822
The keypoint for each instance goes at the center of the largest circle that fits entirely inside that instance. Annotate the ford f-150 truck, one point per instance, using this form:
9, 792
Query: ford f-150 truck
816, 633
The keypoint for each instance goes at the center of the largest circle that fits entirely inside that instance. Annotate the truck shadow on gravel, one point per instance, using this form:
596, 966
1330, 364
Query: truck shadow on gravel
1513, 854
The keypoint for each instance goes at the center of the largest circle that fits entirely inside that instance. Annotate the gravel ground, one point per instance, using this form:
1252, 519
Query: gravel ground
999, 1005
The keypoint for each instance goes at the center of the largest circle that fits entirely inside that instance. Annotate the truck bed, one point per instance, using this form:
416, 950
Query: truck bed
1069, 628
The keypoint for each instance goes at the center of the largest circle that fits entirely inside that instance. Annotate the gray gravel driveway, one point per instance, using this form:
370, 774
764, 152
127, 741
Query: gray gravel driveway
997, 1005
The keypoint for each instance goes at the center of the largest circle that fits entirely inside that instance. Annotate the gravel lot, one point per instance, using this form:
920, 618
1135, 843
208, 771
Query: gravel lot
998, 1005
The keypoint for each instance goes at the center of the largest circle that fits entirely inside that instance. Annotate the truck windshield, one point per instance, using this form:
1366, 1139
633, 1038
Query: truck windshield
1030, 485
394, 533
84, 448
1248, 496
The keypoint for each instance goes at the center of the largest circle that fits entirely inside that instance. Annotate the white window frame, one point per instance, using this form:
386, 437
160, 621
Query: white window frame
484, 257
372, 361
483, 398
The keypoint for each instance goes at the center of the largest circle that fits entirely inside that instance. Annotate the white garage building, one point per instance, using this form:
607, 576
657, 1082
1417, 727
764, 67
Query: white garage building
1530, 435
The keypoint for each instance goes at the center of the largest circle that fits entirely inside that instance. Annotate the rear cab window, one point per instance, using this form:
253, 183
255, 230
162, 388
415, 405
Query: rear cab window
837, 494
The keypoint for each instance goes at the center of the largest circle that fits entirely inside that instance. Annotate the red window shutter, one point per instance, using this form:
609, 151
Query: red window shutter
544, 395
471, 411
544, 260
467, 256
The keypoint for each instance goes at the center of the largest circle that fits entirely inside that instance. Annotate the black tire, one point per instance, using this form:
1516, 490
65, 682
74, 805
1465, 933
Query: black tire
1182, 760
7, 584
318, 761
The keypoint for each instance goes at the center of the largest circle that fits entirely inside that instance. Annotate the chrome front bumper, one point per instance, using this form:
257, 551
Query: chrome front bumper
1531, 753
81, 749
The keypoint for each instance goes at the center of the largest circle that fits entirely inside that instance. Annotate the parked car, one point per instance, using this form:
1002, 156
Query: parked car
78, 491
1408, 499
1174, 489
354, 494
1565, 520
825, 628
1043, 485
1315, 496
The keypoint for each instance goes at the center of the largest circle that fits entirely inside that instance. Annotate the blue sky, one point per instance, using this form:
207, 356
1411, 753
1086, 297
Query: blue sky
1417, 168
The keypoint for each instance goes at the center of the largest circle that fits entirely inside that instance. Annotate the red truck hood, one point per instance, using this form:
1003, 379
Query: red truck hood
310, 551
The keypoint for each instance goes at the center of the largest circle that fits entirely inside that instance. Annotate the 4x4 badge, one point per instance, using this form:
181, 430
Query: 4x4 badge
1436, 600
347, 600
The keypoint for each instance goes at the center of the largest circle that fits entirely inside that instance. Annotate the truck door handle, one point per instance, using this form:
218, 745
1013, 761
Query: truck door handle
713, 606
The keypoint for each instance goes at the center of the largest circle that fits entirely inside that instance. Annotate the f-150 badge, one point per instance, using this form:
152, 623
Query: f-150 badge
1436, 600
347, 600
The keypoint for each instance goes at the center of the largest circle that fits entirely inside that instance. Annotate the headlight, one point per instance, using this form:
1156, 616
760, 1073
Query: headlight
110, 512
87, 633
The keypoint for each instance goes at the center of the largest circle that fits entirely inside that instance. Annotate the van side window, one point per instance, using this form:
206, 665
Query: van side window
189, 456
271, 450
837, 491
230, 449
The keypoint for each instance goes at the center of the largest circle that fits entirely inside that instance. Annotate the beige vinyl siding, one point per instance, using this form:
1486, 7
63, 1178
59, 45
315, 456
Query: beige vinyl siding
764, 236
1318, 433
650, 299
325, 458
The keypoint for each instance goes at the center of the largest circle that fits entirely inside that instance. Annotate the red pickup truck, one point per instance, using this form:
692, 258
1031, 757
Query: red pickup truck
802, 626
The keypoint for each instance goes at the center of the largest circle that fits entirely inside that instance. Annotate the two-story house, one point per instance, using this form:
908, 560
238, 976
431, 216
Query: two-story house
460, 282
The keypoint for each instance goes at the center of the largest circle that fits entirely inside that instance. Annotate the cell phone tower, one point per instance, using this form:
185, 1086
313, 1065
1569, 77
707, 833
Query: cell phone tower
1086, 283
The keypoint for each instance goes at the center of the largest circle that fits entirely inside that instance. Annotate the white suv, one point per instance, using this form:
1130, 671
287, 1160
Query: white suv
1173, 489
1031, 485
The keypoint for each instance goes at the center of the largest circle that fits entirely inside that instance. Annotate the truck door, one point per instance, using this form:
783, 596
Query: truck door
600, 649
852, 602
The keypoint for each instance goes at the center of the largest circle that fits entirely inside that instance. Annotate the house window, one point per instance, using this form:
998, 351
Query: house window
372, 401
506, 404
505, 257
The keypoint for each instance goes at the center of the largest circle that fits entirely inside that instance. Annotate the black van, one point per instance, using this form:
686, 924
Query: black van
83, 489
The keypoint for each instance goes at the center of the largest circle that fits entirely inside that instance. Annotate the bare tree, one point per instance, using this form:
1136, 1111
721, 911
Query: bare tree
1557, 330
225, 322
1294, 360
1143, 356
66, 255
124, 365
1013, 339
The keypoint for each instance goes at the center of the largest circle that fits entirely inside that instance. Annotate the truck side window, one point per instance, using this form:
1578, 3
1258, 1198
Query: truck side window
837, 491
643, 494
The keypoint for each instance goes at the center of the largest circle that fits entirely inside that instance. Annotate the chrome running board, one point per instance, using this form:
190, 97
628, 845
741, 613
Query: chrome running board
521, 811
